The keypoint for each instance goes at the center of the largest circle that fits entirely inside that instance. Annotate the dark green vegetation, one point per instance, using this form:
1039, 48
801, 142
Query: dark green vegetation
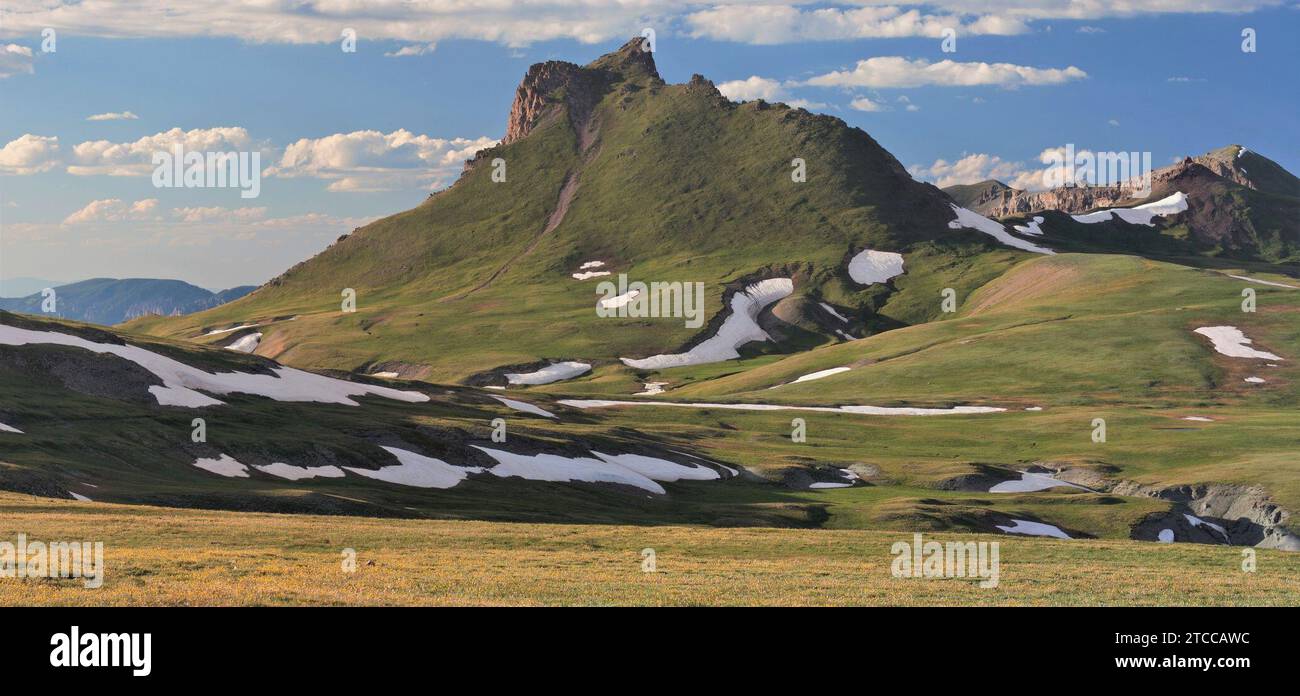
112, 301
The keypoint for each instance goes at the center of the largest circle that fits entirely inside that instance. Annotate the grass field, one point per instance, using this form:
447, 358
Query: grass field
159, 556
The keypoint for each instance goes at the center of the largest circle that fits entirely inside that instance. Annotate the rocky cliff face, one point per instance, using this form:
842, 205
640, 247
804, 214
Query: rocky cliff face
554, 84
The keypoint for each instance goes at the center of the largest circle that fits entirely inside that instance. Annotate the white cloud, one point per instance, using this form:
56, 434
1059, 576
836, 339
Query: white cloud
412, 50
15, 60
1088, 29
113, 210
29, 154
774, 24
767, 89
865, 104
219, 214
374, 161
895, 71
970, 169
102, 157
754, 87
1113, 122
113, 116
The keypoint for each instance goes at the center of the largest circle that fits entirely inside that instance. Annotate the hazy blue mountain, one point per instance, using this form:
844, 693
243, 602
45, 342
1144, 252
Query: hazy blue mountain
112, 300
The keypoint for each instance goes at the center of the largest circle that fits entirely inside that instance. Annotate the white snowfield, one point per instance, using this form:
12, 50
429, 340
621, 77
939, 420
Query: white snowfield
298, 473
1197, 522
871, 266
1248, 279
620, 300
246, 344
1139, 215
591, 264
181, 381
1166, 536
218, 332
660, 469
736, 330
525, 407
626, 469
80, 497
551, 373
1034, 529
1255, 380
418, 471
861, 410
9, 429
1032, 228
820, 374
225, 465
1199, 419
1030, 482
834, 313
975, 221
1230, 341
587, 275
849, 478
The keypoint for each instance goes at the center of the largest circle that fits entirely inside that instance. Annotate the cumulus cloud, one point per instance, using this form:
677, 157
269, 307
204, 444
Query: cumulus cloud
895, 71
764, 88
135, 158
373, 161
774, 24
114, 210
15, 60
865, 104
974, 168
29, 154
113, 116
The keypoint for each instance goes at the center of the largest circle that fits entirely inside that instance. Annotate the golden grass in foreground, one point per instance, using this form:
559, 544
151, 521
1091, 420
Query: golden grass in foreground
159, 556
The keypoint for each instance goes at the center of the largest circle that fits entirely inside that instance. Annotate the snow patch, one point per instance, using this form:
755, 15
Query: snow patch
297, 473
737, 330
1139, 215
1199, 419
652, 388
385, 375
591, 264
1230, 341
553, 467
1032, 228
525, 407
820, 374
861, 410
1034, 529
418, 471
660, 469
585, 275
1166, 536
1197, 522
246, 344
181, 381
551, 373
871, 266
218, 332
1030, 482
619, 300
80, 497
1248, 279
1255, 380
9, 429
848, 475
975, 221
225, 465
834, 313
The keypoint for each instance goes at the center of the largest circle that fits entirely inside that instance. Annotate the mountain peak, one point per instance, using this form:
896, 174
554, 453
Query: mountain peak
630, 61
554, 83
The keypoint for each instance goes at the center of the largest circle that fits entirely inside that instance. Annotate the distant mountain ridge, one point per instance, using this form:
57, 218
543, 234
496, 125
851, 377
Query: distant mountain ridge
113, 301
1241, 204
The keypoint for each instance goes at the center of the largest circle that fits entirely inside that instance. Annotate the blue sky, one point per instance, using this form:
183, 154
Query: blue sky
354, 136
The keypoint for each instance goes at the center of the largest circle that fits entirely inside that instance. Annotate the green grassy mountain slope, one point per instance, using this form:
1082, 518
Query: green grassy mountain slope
661, 182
